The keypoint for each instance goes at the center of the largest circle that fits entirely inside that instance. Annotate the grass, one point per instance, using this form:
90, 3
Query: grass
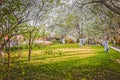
66, 62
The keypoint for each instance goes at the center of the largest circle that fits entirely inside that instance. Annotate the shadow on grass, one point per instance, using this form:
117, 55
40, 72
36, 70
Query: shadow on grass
99, 67
89, 69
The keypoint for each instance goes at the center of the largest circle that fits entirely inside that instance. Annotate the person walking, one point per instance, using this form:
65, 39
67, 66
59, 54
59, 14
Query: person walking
106, 46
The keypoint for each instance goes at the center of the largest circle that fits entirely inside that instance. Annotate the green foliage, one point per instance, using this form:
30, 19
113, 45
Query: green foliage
51, 1
70, 21
21, 47
24, 47
58, 2
14, 48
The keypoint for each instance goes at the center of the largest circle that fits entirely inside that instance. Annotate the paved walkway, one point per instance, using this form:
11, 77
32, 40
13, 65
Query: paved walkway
115, 48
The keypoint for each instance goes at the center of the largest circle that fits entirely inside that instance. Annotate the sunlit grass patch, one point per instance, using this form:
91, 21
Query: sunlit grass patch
58, 54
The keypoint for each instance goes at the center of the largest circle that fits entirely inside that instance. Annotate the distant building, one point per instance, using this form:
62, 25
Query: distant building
14, 41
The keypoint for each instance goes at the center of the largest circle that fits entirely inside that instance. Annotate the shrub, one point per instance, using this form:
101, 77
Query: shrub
25, 46
14, 48
39, 46
60, 52
56, 42
48, 51
68, 41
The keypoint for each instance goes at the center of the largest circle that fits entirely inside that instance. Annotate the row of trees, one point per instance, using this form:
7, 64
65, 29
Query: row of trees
91, 18
14, 14
22, 17
105, 14
102, 15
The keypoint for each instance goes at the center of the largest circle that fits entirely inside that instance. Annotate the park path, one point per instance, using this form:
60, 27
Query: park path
115, 48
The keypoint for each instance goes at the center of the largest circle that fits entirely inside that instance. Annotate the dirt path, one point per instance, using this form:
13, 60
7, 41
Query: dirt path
115, 48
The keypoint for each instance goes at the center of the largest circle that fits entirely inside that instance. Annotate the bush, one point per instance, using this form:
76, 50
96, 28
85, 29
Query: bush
52, 52
39, 46
25, 46
68, 41
56, 42
48, 51
60, 52
14, 48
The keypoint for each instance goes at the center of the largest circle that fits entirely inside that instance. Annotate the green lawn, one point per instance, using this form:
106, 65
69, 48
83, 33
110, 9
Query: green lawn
66, 62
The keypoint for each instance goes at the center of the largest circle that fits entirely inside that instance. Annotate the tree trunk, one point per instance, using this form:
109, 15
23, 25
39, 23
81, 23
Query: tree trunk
94, 42
88, 41
29, 56
8, 62
30, 48
8, 65
19, 50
